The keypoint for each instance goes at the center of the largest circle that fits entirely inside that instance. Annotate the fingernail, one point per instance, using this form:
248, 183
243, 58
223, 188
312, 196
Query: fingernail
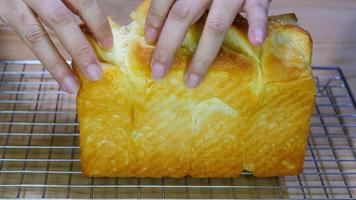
151, 35
193, 80
107, 43
93, 72
158, 71
70, 85
258, 36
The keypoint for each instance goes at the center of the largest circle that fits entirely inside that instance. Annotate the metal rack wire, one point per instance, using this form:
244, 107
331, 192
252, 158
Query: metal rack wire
39, 152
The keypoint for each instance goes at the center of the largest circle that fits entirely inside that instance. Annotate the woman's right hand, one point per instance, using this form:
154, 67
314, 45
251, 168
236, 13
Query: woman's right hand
26, 17
168, 22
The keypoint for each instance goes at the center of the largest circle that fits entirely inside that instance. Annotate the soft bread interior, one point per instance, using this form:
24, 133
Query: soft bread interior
123, 37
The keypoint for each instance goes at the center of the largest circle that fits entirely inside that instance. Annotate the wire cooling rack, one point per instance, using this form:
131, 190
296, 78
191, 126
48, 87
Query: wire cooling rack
39, 152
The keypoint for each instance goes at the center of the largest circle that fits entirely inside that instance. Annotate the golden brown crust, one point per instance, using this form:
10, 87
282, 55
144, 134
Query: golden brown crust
251, 112
283, 20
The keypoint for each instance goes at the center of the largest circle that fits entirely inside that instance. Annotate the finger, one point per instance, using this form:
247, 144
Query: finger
257, 15
61, 20
199, 15
174, 30
222, 14
156, 16
33, 34
94, 17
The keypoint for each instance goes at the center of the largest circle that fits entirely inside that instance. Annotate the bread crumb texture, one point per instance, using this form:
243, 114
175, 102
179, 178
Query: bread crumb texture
252, 111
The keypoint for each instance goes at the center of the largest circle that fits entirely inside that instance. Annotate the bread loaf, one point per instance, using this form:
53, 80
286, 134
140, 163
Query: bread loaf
252, 111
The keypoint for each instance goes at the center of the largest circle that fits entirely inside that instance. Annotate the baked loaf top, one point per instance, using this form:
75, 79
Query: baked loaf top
252, 111
286, 43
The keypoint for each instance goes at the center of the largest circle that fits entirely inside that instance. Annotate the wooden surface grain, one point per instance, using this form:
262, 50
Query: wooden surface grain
332, 24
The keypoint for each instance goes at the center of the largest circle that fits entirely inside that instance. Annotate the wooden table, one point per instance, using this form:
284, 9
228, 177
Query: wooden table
332, 24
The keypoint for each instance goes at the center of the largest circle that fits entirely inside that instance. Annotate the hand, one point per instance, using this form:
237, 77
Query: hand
169, 20
26, 17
